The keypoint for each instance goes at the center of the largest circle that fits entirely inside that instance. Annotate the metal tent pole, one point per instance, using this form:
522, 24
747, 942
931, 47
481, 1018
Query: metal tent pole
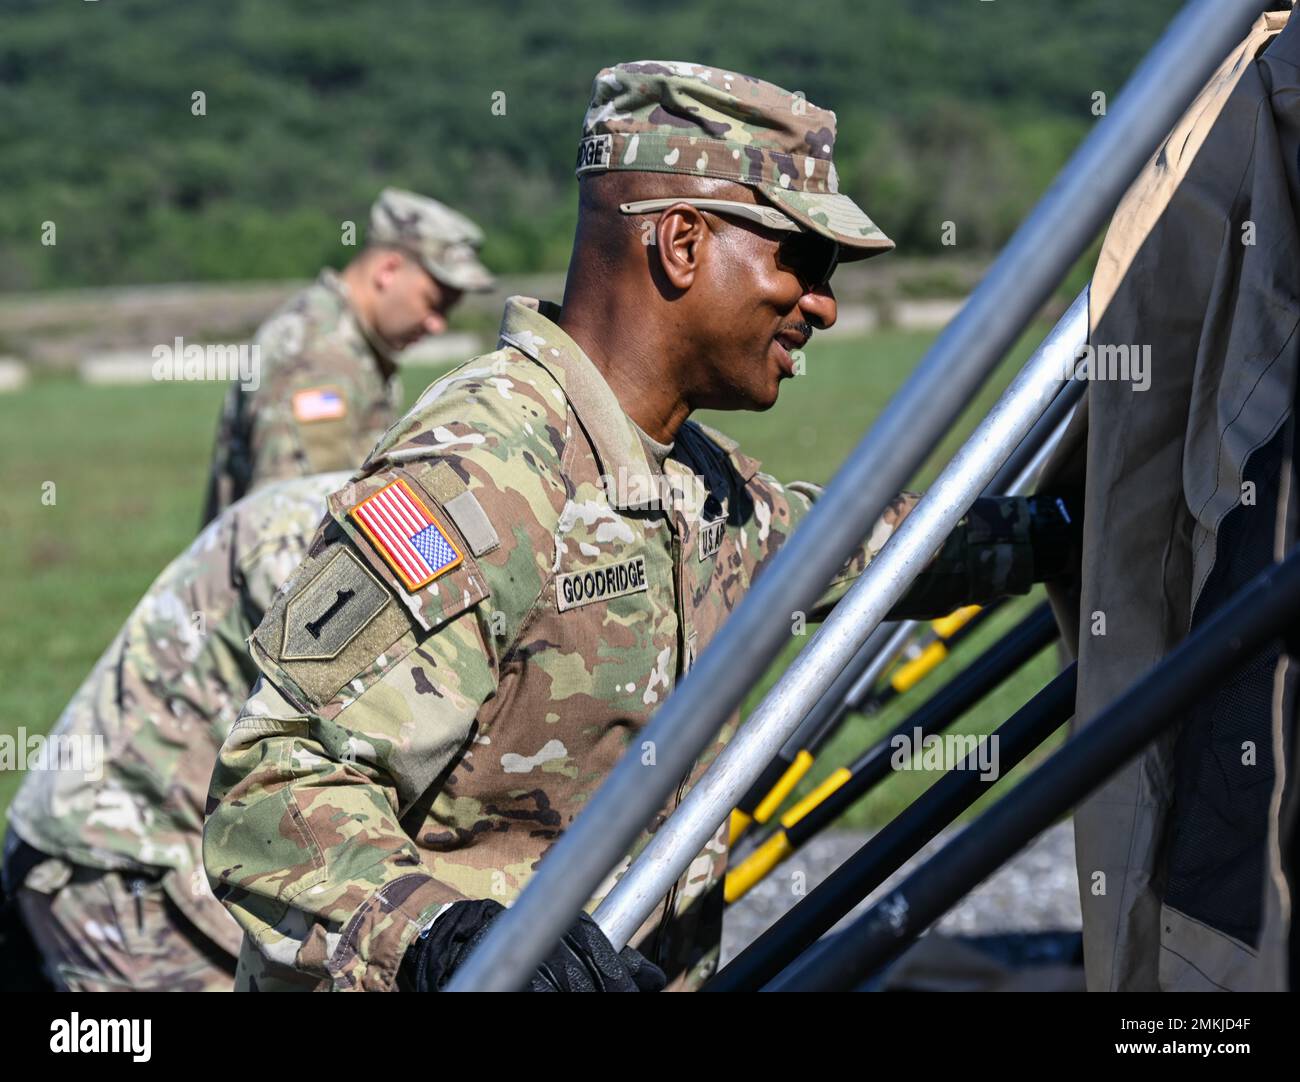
794, 759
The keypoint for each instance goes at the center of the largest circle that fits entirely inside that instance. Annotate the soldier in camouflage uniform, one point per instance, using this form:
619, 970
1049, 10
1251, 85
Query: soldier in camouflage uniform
107, 857
327, 386
533, 557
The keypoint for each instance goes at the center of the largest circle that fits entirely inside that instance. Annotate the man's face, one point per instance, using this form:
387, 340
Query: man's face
759, 303
409, 303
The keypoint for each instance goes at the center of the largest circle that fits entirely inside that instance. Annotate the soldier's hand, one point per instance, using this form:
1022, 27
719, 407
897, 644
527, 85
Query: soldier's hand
583, 961
1056, 533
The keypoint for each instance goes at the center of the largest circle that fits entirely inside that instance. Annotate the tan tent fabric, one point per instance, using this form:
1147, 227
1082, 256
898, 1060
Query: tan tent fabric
1179, 272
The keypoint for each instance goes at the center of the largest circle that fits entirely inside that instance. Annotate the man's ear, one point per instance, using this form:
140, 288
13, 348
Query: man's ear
386, 268
680, 239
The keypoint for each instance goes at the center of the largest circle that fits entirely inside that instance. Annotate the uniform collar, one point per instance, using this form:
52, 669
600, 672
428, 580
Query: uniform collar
331, 280
529, 326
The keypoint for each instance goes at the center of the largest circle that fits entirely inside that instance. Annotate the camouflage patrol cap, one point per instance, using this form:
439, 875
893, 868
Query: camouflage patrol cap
666, 116
444, 241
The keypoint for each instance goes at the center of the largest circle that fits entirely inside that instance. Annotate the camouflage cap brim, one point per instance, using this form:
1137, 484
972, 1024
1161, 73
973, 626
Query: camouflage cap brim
835, 216
460, 269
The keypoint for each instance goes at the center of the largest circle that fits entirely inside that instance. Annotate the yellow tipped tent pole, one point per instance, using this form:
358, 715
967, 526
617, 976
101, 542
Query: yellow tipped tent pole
834, 796
785, 770
736, 826
775, 849
803, 763
946, 634
948, 626
852, 689
765, 797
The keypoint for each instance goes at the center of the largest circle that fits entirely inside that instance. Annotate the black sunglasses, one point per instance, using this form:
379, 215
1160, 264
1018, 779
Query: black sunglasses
810, 257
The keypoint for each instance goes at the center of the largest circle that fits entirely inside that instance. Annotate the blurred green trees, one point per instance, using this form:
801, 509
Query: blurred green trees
950, 110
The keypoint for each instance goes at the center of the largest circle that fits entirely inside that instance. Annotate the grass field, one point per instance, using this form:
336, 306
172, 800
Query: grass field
126, 468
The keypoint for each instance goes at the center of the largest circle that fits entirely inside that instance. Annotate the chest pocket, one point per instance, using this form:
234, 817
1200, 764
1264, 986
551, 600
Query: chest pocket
611, 612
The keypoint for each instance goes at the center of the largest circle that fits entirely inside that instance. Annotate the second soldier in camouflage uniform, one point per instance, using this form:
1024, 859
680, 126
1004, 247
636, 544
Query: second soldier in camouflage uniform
107, 856
533, 557
327, 385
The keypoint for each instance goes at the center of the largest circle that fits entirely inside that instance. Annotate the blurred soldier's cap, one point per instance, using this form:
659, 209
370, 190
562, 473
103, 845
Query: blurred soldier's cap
664, 116
444, 241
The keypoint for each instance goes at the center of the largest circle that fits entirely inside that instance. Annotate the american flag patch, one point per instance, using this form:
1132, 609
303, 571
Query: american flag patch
319, 404
406, 535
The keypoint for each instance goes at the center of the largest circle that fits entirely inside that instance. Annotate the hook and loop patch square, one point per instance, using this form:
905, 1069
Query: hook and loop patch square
405, 533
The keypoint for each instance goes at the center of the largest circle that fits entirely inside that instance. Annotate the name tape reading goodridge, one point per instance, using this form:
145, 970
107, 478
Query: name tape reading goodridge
594, 152
575, 588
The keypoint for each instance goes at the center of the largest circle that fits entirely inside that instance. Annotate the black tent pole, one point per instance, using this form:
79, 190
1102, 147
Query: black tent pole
1264, 609
889, 849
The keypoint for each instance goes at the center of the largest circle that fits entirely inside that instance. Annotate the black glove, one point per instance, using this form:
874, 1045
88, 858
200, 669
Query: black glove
1055, 533
584, 960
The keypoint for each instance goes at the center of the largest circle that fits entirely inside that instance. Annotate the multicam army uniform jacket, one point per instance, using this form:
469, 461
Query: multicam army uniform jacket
148, 720
489, 616
326, 394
